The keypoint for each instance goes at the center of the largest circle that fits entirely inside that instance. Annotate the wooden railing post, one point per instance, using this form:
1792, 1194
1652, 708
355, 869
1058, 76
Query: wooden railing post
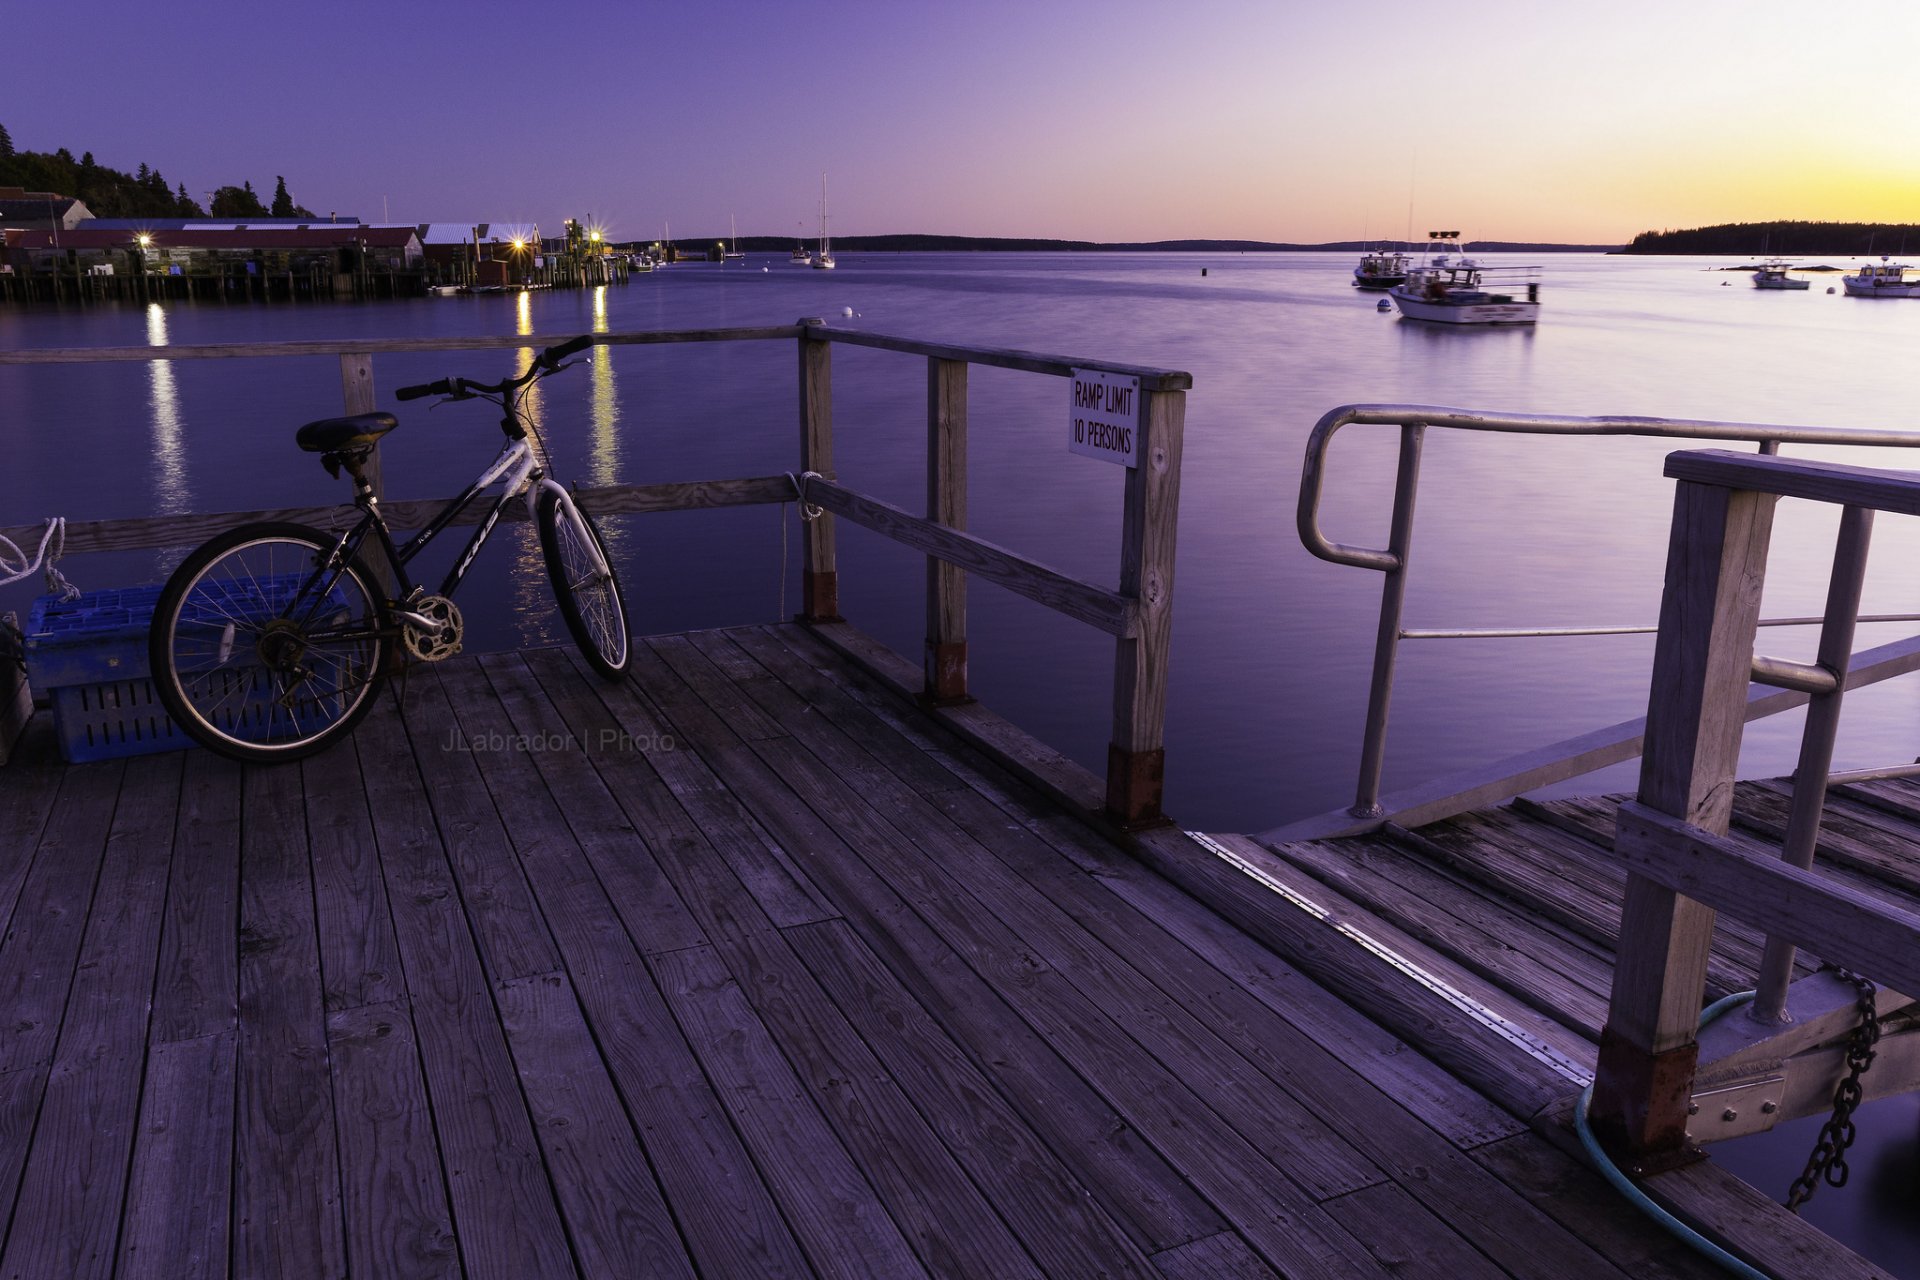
1702, 663
819, 572
946, 656
1136, 757
356, 387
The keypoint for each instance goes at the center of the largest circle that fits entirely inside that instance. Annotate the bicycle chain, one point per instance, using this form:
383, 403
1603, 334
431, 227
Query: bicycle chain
1828, 1160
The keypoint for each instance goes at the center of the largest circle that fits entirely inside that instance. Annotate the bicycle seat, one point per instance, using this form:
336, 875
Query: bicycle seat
331, 435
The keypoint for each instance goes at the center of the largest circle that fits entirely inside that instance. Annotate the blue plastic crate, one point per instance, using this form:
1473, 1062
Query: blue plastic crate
89, 656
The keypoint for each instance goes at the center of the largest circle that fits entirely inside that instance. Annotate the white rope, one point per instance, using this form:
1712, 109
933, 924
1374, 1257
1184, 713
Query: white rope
808, 510
17, 566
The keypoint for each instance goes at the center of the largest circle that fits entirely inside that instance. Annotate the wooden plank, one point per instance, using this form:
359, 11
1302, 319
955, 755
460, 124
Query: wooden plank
730, 1222
1865, 839
1785, 1245
610, 500
946, 654
942, 1213
75, 1177
840, 1221
1575, 1197
1148, 527
178, 1206
1030, 362
1562, 981
1109, 611
195, 992
1409, 1241
616, 1217
1396, 1067
286, 1186
20, 1095
359, 958
49, 920
513, 937
502, 1203
1222, 1257
1847, 926
1220, 1162
1835, 482
1031, 1184
27, 792
1315, 930
819, 566
394, 1198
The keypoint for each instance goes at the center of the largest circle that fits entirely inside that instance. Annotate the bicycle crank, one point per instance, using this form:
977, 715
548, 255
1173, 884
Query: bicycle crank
432, 629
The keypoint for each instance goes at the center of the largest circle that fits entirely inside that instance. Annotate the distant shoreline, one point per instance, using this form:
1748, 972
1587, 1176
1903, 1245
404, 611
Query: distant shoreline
1001, 244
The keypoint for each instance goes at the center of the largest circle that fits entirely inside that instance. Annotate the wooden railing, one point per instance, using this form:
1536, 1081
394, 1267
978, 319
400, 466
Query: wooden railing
1138, 613
1673, 836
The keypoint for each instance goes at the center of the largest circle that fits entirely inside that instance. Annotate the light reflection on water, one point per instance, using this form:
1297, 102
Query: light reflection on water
1271, 647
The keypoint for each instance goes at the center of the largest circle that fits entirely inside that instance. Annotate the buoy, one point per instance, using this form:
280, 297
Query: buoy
763, 271
1203, 271
1383, 305
847, 312
1829, 288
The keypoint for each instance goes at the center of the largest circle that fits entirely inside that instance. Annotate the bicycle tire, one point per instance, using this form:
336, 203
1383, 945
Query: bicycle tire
591, 603
245, 661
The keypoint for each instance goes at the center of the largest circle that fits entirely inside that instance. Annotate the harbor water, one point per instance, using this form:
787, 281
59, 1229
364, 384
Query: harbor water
1271, 647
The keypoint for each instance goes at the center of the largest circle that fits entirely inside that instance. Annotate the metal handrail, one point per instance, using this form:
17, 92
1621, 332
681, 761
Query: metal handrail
1413, 420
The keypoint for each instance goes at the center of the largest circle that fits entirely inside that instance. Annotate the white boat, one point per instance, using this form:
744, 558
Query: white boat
800, 257
733, 253
1882, 279
1380, 269
1772, 274
823, 261
1450, 290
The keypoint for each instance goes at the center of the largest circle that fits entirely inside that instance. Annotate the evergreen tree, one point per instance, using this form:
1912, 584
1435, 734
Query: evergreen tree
6, 144
184, 205
237, 202
282, 202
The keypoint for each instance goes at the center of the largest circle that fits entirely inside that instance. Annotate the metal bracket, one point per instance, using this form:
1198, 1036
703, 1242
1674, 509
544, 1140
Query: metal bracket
1735, 1110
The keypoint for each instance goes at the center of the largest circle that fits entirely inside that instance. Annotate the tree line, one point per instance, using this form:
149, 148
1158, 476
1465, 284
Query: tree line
1786, 239
110, 193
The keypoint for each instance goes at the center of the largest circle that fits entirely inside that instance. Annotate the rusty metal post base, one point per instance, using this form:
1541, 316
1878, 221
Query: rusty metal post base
1136, 781
819, 597
946, 674
1640, 1102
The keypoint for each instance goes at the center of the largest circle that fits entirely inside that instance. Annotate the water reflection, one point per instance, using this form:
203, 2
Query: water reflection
170, 493
532, 600
523, 314
604, 464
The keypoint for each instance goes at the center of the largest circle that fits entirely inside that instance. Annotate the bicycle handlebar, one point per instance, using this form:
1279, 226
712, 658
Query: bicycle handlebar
547, 361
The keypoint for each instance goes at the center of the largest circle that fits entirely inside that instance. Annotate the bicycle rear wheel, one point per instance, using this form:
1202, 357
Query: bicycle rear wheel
584, 584
260, 652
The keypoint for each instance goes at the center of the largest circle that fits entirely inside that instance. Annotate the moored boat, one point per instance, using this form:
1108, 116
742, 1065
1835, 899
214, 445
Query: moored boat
1458, 290
800, 257
823, 261
1882, 279
1380, 269
1772, 274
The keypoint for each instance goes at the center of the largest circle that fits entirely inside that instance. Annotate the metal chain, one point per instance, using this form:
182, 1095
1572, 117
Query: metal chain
1828, 1160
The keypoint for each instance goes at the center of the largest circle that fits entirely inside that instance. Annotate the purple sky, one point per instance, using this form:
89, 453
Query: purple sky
1120, 120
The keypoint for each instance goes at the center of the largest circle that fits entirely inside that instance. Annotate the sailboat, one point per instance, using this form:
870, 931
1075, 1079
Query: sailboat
823, 261
734, 252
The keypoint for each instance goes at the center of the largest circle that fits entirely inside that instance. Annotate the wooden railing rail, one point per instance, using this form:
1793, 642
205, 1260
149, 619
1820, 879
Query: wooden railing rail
1673, 838
1138, 614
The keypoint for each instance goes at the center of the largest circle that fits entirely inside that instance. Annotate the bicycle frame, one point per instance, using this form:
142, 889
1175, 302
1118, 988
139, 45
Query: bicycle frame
516, 470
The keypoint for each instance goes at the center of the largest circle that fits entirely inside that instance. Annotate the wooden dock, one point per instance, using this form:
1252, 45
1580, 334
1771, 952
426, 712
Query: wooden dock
746, 967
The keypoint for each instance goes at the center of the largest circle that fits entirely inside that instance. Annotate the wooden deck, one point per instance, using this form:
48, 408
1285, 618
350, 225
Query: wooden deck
744, 968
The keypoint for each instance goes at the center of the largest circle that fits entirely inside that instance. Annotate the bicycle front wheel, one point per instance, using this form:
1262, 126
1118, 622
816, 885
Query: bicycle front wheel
264, 649
584, 583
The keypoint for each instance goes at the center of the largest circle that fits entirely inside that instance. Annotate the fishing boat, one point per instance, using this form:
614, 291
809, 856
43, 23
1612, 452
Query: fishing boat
823, 261
1882, 279
1449, 289
1380, 269
1772, 274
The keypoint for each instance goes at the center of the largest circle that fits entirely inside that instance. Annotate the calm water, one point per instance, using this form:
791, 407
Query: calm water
1271, 647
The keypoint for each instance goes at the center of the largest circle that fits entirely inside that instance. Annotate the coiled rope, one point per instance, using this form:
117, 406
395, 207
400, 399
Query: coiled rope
808, 512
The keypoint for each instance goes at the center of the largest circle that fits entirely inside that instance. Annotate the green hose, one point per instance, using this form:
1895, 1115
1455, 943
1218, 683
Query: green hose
1624, 1185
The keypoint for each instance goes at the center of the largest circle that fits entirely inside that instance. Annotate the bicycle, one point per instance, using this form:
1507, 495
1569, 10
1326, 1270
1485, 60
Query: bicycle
270, 641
